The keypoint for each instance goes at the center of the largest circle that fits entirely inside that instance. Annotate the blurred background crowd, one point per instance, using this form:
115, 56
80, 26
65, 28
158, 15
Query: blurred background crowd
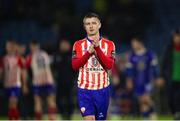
57, 24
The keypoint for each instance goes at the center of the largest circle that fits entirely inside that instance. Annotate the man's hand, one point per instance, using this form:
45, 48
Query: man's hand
25, 89
115, 80
129, 84
159, 82
95, 41
91, 49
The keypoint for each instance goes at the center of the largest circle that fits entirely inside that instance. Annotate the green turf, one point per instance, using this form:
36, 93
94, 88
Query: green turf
112, 117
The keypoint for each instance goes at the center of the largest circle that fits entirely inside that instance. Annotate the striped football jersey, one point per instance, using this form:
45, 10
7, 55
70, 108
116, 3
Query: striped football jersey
92, 75
12, 70
40, 65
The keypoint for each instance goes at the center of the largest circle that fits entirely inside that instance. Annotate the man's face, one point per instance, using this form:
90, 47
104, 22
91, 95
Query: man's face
176, 38
64, 46
10, 47
22, 49
92, 25
136, 45
33, 47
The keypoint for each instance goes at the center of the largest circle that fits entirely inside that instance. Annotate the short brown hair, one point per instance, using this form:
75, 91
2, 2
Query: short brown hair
35, 42
91, 15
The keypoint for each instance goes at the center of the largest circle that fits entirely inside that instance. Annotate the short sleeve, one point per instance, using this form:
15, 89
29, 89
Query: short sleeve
76, 50
1, 63
47, 58
20, 62
111, 51
129, 63
154, 60
28, 60
129, 67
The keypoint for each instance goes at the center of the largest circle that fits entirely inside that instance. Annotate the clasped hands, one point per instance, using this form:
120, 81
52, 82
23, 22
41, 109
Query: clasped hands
95, 43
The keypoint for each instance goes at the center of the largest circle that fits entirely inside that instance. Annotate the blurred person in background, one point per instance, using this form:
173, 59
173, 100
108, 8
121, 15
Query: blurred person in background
64, 79
171, 72
43, 82
1, 71
20, 51
124, 102
93, 56
142, 70
2, 95
26, 99
13, 78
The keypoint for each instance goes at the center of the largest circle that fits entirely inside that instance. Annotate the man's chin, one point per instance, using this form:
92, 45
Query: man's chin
92, 34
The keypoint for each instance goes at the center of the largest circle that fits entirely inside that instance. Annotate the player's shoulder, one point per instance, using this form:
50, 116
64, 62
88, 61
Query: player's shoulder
19, 57
29, 55
109, 42
79, 42
132, 56
7, 56
44, 53
4, 57
151, 53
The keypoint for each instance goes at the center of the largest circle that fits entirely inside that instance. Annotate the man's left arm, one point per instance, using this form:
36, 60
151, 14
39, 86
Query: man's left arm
21, 64
154, 65
159, 81
107, 61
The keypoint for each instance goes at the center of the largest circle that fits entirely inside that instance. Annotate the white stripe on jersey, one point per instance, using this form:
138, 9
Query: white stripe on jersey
12, 71
96, 81
41, 69
89, 75
84, 78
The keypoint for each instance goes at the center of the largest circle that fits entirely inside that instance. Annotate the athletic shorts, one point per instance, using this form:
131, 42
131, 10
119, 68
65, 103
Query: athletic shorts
13, 91
44, 90
141, 90
94, 102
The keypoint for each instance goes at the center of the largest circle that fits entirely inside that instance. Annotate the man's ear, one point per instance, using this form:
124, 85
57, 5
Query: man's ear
84, 27
99, 25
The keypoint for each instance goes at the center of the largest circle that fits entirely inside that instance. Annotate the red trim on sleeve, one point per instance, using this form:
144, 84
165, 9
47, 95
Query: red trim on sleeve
106, 62
28, 61
1, 63
79, 62
177, 47
20, 62
114, 70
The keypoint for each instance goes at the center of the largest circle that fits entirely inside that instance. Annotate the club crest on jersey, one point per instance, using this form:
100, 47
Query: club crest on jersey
95, 62
141, 65
83, 109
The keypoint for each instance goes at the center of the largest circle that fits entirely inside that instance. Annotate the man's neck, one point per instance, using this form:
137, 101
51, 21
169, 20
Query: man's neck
140, 51
91, 37
11, 53
35, 51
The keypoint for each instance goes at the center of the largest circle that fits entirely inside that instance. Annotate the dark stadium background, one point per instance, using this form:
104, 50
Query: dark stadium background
48, 21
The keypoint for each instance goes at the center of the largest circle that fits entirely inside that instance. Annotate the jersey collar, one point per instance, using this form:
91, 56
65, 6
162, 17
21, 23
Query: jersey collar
92, 40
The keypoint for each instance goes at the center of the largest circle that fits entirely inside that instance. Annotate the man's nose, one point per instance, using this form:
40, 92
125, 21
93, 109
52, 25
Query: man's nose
91, 26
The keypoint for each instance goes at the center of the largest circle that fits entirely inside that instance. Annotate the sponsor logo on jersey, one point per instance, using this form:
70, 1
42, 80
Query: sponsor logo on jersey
94, 69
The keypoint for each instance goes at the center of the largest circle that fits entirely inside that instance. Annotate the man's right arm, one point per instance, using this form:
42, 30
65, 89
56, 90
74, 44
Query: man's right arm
28, 61
129, 74
77, 60
1, 68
